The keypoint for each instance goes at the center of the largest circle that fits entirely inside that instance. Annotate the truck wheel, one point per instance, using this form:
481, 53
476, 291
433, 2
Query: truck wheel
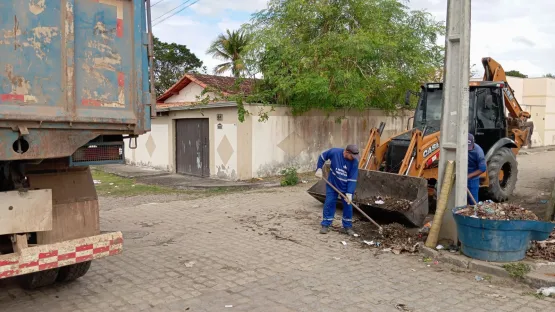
38, 279
502, 162
72, 272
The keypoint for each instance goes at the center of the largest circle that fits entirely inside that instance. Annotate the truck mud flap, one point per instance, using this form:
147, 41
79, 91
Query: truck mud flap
386, 197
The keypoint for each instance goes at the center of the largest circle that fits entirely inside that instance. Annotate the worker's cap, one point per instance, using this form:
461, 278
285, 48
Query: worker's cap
470, 142
353, 149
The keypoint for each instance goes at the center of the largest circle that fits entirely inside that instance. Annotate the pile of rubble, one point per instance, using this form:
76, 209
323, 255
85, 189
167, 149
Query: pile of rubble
394, 238
497, 211
544, 250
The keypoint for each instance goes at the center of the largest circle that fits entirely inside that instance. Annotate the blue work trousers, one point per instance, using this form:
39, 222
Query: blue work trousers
329, 209
473, 186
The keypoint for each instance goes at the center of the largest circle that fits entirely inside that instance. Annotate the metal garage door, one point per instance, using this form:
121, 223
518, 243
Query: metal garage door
191, 147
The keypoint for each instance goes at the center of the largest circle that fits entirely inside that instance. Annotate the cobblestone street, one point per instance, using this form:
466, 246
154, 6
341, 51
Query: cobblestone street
258, 251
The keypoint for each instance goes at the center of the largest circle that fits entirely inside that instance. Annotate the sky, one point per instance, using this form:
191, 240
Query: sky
516, 33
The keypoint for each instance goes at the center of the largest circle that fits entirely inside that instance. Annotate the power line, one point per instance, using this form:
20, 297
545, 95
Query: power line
156, 3
177, 7
175, 12
182, 4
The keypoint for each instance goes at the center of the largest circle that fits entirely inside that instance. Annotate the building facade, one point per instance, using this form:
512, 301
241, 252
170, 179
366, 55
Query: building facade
209, 140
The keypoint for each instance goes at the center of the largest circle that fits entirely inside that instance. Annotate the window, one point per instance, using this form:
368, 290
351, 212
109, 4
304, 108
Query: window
488, 109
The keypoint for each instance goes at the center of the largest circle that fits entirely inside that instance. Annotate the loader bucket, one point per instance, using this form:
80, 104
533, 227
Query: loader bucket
405, 198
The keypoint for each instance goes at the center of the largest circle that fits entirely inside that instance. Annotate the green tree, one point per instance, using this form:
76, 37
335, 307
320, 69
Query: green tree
549, 75
515, 73
335, 54
172, 61
229, 47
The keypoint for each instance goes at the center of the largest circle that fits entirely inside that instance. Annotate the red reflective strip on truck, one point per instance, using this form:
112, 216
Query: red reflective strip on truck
7, 273
48, 266
50, 254
8, 262
28, 264
84, 258
101, 249
84, 247
66, 256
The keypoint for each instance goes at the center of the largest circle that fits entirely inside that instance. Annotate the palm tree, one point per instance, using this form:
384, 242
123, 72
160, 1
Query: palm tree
229, 48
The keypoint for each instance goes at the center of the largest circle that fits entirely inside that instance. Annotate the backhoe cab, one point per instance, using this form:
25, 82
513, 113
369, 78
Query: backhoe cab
490, 127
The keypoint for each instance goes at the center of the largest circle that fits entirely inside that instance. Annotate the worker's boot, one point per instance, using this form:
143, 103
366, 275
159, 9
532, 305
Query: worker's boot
349, 231
324, 230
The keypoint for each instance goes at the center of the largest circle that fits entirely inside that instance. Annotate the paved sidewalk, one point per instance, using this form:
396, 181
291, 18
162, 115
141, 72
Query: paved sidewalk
178, 181
257, 251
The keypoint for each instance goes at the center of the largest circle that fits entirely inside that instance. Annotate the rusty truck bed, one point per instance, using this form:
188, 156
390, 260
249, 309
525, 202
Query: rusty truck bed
71, 70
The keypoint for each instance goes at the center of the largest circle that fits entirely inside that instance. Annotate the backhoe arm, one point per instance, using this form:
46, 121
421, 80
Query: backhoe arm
493, 71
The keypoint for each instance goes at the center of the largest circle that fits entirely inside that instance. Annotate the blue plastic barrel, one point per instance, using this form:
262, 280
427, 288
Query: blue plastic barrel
498, 240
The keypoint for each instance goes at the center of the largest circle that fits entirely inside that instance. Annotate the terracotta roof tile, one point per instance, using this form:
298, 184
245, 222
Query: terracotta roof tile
224, 84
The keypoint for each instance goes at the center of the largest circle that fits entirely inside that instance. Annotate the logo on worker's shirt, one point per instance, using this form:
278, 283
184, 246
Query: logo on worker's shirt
344, 166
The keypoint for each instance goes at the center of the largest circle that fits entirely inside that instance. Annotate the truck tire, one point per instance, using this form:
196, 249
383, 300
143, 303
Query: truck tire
38, 279
502, 161
72, 272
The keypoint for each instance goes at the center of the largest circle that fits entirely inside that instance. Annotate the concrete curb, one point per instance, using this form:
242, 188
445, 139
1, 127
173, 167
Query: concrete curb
532, 279
537, 150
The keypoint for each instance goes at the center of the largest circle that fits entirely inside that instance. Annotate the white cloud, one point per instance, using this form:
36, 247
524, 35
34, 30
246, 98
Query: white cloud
218, 7
518, 35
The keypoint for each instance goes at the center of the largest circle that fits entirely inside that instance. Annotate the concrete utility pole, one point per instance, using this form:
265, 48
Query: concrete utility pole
454, 121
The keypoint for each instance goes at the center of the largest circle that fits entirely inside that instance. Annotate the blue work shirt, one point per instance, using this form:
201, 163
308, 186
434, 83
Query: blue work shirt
476, 161
343, 172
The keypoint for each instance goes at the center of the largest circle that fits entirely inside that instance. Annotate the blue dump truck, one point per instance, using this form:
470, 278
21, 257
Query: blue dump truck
74, 88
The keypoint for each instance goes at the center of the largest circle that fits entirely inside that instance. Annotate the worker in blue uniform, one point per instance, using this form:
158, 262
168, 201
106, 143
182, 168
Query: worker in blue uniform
343, 175
476, 166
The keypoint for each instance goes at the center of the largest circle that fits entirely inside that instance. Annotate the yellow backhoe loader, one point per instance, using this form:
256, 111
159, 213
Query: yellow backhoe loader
398, 176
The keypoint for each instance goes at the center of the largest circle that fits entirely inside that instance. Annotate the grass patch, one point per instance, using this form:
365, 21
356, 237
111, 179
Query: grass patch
539, 296
517, 270
290, 177
113, 185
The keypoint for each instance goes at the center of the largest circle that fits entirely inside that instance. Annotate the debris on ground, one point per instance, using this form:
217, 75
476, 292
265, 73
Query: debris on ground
547, 291
544, 250
403, 307
426, 228
394, 238
497, 211
386, 202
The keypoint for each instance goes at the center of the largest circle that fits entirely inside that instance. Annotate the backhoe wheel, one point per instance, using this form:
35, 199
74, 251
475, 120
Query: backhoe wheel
38, 279
502, 172
72, 272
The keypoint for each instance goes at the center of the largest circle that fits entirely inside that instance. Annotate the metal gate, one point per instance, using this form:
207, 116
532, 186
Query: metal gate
191, 147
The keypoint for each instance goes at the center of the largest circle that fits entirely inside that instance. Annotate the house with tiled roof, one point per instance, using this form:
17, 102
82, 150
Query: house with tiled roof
190, 86
208, 140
